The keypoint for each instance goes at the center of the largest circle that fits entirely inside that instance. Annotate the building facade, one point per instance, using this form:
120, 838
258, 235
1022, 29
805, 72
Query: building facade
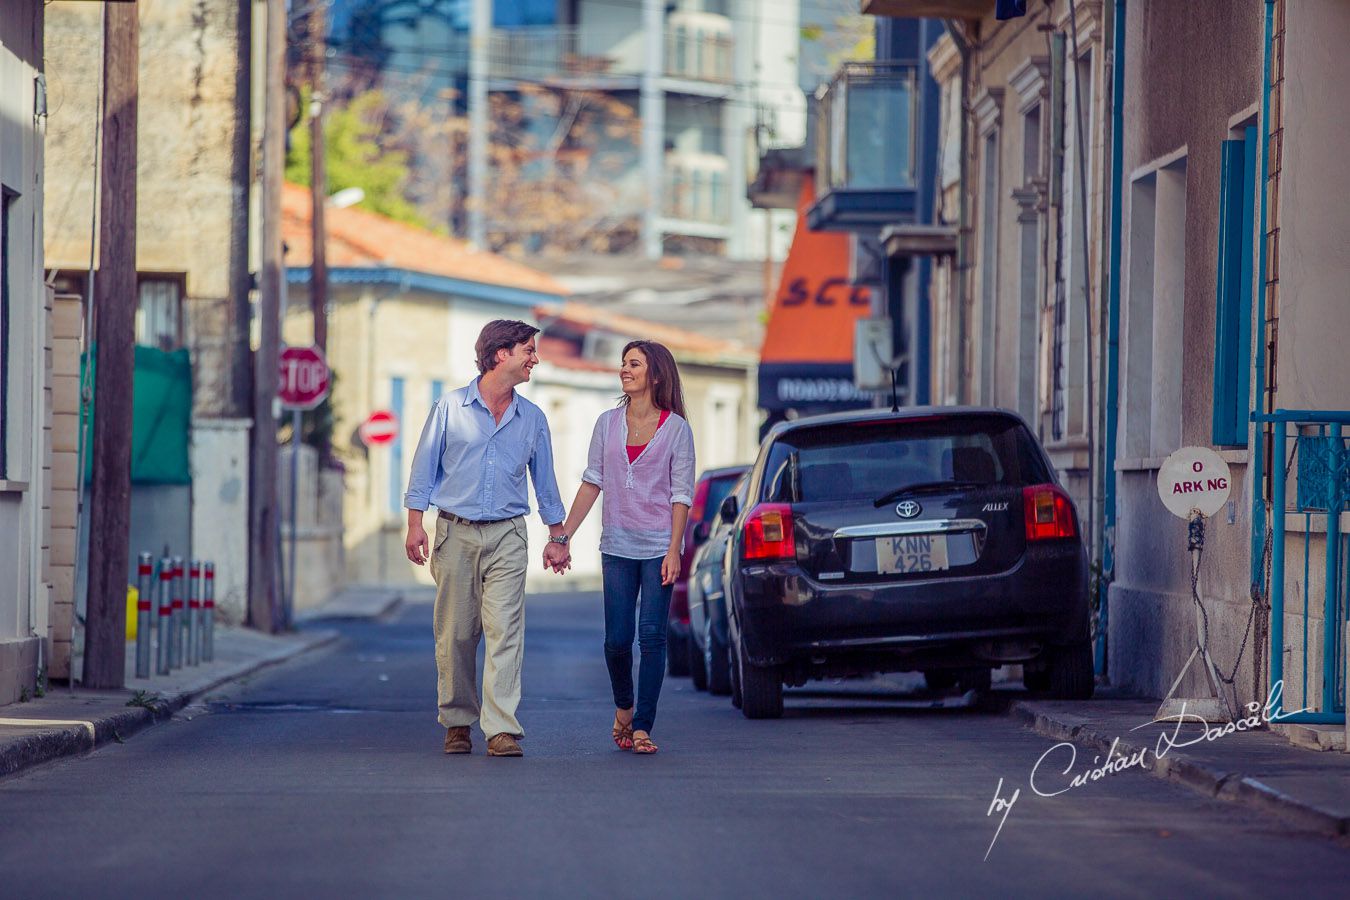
706, 80
406, 307
1147, 262
34, 572
193, 178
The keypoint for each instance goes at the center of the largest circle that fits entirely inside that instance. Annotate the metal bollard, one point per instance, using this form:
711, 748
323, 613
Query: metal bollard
165, 612
176, 620
194, 615
144, 585
209, 612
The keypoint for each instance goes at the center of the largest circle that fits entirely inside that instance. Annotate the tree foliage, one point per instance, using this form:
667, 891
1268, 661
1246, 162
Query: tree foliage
358, 156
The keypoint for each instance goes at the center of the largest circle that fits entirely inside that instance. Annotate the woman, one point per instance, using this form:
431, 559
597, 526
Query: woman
642, 458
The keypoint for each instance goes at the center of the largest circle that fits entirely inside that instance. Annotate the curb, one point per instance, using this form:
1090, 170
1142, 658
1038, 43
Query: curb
1208, 780
70, 739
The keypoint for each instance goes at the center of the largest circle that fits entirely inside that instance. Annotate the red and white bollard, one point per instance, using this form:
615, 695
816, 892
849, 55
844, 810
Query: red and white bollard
165, 612
209, 613
144, 586
176, 620
194, 614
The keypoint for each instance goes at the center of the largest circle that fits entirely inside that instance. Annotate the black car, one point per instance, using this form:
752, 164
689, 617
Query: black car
709, 665
930, 539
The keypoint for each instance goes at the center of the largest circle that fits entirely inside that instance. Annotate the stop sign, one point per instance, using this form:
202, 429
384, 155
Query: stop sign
302, 377
380, 428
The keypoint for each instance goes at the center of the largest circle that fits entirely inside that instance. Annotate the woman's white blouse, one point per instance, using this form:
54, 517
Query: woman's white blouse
635, 518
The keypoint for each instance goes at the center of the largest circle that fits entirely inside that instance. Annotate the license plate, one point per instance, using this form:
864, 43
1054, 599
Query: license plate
904, 554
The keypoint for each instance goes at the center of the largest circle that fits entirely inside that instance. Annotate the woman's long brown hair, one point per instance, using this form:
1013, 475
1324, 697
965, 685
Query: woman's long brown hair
662, 375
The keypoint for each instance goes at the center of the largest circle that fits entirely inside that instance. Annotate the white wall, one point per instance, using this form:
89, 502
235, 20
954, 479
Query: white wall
23, 588
219, 461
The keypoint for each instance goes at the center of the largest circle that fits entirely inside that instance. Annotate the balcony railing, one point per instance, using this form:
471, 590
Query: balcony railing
867, 127
570, 52
696, 189
699, 46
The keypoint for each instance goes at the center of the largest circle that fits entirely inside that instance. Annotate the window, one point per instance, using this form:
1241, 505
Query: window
863, 461
1154, 345
6, 203
1029, 261
396, 447
989, 267
159, 305
159, 312
1233, 313
1069, 358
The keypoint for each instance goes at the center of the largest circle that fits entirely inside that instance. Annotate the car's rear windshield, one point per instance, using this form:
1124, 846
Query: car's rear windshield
867, 460
718, 489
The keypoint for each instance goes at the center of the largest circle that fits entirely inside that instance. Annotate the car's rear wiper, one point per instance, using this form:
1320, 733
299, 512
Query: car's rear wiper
924, 487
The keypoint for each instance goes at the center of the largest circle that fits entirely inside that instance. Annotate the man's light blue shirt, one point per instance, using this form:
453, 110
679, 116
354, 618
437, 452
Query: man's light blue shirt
470, 465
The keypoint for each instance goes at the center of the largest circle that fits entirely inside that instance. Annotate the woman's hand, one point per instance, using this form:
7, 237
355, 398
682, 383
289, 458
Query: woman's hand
670, 567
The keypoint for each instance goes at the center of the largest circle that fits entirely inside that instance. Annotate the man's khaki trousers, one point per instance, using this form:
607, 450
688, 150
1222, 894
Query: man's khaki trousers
480, 592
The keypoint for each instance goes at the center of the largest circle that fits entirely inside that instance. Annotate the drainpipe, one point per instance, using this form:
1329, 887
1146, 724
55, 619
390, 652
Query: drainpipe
1106, 529
963, 216
1258, 452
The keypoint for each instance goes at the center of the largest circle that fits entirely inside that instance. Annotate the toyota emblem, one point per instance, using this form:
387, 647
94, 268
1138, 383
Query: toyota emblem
908, 509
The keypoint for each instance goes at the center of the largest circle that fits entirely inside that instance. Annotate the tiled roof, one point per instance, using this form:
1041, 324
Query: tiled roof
358, 238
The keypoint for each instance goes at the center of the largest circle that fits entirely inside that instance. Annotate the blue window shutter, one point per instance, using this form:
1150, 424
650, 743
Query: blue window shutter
396, 447
1246, 274
1232, 320
437, 388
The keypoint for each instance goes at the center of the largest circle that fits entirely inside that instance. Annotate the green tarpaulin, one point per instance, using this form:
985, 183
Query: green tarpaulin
161, 418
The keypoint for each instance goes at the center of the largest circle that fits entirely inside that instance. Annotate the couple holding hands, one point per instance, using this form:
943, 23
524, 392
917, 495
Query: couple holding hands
471, 461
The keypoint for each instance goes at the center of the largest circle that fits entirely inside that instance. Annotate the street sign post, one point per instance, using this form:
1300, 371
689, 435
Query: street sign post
302, 383
302, 377
1194, 484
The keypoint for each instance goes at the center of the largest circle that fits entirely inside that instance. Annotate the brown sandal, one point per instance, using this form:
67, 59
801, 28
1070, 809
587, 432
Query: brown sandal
644, 745
622, 734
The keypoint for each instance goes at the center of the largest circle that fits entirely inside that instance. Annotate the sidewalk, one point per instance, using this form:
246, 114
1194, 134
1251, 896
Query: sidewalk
361, 601
66, 722
1258, 769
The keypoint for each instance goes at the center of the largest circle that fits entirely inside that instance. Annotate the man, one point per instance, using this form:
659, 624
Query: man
470, 464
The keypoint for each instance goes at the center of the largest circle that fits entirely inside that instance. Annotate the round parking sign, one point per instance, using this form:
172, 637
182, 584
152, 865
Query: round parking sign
1194, 479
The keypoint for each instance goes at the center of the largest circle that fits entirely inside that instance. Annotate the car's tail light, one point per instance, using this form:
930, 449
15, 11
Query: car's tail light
1048, 512
768, 532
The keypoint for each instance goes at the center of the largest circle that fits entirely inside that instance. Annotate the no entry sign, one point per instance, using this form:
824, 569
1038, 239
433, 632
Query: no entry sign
380, 428
302, 377
1194, 478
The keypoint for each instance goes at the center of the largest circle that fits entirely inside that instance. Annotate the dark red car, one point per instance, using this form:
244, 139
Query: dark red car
710, 490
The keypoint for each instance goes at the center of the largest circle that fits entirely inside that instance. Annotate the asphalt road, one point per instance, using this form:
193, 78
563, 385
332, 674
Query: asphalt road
325, 777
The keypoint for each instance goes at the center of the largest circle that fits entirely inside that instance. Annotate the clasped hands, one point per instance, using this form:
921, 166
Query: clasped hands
557, 557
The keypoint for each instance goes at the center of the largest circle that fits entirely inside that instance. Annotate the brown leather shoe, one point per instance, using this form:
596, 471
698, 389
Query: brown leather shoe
457, 740
503, 745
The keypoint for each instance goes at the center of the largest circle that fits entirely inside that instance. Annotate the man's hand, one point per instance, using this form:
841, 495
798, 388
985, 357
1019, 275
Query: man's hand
557, 557
417, 546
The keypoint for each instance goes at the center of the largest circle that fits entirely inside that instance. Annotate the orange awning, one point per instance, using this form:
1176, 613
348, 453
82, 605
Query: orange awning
806, 362
815, 308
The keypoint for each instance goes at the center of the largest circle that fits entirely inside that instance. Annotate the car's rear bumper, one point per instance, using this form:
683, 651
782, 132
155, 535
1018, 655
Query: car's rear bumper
784, 615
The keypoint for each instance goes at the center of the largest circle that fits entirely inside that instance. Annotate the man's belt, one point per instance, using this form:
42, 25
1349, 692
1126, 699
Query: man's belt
463, 521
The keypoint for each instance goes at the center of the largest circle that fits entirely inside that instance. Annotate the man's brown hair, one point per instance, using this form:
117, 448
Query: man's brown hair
500, 334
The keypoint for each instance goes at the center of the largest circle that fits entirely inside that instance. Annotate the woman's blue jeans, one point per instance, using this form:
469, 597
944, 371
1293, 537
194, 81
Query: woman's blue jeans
624, 579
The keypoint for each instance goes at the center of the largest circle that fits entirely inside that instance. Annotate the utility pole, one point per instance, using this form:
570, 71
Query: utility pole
115, 332
480, 34
239, 353
318, 279
264, 576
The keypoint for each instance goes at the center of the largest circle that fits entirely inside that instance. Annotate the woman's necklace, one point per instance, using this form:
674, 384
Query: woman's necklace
641, 431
